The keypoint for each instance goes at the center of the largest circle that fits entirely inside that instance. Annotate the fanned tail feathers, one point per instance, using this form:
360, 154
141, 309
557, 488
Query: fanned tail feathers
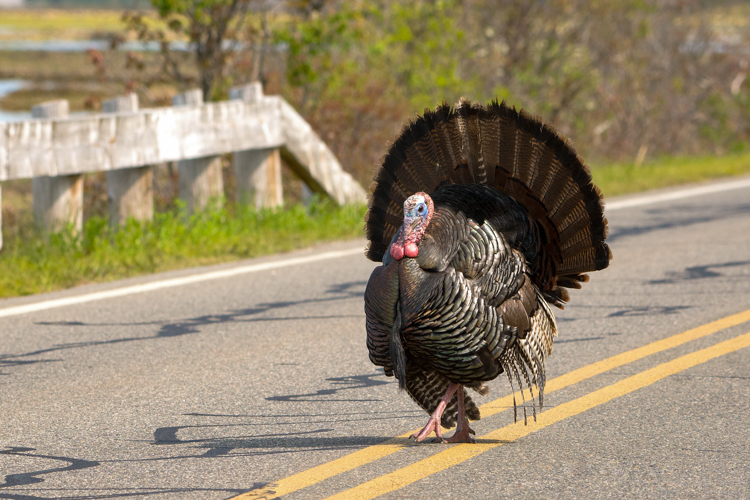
514, 153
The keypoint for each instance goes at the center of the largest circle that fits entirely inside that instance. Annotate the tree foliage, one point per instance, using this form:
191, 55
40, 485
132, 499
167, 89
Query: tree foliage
213, 29
624, 79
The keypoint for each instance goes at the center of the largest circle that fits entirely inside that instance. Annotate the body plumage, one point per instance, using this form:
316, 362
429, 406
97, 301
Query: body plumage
499, 216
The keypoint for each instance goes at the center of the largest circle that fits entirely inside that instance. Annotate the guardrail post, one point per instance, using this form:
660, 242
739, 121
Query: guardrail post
200, 179
258, 174
257, 171
58, 200
130, 191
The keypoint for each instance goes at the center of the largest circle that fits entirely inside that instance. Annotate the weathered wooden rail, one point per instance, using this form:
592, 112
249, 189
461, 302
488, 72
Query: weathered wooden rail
55, 149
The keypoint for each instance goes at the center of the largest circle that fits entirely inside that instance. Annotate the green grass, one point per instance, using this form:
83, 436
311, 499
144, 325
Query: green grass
58, 24
623, 178
32, 265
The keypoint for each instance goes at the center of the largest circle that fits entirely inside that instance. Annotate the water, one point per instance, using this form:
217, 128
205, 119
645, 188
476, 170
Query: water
8, 87
84, 45
103, 45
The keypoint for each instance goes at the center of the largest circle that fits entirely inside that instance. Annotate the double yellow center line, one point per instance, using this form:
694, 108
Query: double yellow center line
460, 453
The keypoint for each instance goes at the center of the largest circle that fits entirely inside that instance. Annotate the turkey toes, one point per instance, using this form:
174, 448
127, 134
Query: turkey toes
462, 436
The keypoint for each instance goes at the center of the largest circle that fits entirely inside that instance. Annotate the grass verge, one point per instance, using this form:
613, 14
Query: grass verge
624, 178
32, 265
59, 24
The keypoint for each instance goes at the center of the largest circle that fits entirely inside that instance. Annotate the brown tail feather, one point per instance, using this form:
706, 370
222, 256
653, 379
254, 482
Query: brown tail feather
468, 124
512, 152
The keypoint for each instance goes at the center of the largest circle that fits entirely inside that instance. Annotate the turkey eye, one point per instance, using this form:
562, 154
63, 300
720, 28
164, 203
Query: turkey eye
420, 209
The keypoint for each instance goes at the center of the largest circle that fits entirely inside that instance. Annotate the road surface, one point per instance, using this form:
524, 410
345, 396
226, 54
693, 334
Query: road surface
252, 380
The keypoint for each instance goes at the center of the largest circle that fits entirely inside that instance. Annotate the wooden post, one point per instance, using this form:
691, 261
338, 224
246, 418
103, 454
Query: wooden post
252, 92
130, 191
124, 103
58, 200
200, 178
192, 97
258, 171
258, 174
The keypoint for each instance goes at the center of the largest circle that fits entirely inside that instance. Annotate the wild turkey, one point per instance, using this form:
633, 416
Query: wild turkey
481, 216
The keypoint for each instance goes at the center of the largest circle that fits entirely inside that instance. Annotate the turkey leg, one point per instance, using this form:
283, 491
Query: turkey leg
463, 431
433, 424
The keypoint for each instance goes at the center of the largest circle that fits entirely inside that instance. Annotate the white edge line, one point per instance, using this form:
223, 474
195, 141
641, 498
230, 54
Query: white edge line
158, 285
676, 195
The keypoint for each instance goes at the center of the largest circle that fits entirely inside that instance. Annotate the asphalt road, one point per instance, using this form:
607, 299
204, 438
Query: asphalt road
258, 379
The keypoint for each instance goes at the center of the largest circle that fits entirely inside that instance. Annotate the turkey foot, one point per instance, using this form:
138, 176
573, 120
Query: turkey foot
463, 431
433, 424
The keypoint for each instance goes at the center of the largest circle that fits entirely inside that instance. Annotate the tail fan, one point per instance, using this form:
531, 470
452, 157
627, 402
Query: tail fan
514, 153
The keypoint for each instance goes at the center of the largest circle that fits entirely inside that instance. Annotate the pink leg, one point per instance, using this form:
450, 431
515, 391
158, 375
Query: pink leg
463, 431
434, 423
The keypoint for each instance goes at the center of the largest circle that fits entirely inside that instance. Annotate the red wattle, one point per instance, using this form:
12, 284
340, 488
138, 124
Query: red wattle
411, 249
397, 252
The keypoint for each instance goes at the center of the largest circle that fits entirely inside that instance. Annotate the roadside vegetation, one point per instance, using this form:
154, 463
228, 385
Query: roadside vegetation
31, 263
652, 94
58, 24
623, 80
617, 179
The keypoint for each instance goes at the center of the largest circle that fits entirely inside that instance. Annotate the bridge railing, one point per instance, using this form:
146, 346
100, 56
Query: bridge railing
55, 149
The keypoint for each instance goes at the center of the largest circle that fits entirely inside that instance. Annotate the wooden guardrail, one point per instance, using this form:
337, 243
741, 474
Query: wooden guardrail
55, 149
